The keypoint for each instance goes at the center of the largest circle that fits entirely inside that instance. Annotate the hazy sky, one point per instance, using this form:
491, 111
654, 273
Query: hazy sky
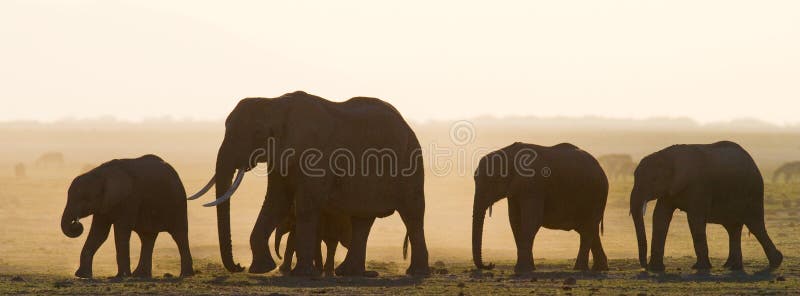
708, 60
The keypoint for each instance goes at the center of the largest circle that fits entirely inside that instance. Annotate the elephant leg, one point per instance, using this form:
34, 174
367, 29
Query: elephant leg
288, 254
306, 235
330, 256
122, 240
582, 262
354, 263
514, 220
662, 217
697, 227
97, 236
318, 263
413, 216
759, 230
598, 255
182, 240
145, 267
530, 222
734, 261
273, 211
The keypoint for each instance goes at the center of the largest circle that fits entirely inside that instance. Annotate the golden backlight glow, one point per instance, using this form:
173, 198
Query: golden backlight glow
98, 80
707, 60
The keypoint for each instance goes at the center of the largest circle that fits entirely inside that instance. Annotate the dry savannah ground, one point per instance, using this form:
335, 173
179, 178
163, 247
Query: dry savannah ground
36, 258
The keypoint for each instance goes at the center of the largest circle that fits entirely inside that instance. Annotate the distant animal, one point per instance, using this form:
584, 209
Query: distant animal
144, 195
333, 229
50, 159
789, 171
617, 166
713, 183
360, 133
20, 171
559, 187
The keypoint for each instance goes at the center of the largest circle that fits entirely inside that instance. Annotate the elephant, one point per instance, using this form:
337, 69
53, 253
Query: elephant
144, 195
333, 229
558, 187
50, 159
20, 171
789, 171
358, 158
617, 166
713, 183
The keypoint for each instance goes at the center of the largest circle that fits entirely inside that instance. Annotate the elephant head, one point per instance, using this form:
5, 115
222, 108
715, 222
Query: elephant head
97, 191
657, 176
248, 130
492, 180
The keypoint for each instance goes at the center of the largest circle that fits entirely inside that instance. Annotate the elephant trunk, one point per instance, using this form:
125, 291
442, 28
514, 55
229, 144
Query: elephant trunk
69, 223
224, 174
637, 213
478, 216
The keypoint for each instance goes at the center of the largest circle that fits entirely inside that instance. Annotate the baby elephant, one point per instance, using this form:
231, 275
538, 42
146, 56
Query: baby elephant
334, 229
144, 195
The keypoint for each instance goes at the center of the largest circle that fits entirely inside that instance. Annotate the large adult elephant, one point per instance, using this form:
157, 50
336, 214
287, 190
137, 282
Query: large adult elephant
713, 183
358, 158
559, 187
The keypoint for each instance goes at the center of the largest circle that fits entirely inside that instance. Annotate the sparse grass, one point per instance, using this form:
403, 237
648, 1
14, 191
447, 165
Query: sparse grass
36, 258
551, 278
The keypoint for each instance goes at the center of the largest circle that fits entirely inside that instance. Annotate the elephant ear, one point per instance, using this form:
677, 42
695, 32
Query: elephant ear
117, 186
680, 174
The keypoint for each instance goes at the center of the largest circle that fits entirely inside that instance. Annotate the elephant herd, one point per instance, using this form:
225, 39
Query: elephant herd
333, 168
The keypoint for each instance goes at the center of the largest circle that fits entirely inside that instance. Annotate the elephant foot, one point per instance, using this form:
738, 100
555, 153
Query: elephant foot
345, 269
702, 265
582, 266
84, 273
142, 273
304, 271
656, 266
728, 263
521, 269
328, 273
261, 266
776, 259
285, 268
187, 272
600, 266
418, 270
733, 264
370, 274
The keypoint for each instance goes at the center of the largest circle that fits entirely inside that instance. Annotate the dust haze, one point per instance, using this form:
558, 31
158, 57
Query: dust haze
39, 160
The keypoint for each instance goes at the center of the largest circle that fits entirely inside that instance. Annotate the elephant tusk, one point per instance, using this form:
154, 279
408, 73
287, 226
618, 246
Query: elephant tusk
227, 195
204, 190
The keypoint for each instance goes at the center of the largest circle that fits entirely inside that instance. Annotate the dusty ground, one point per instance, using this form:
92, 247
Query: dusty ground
36, 258
553, 277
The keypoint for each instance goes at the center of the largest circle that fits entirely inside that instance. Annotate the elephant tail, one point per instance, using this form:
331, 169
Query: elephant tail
602, 228
405, 247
